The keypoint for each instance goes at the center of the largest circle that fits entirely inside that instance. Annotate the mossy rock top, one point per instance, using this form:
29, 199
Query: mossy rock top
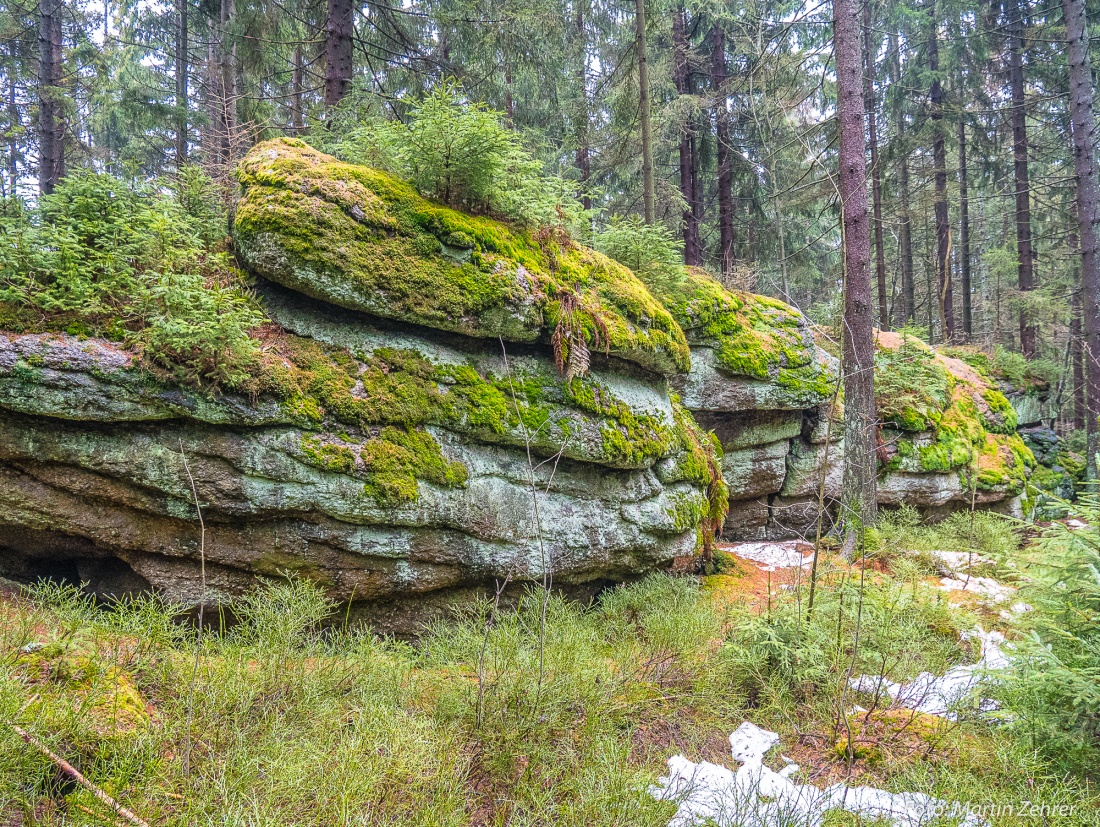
949, 417
362, 239
752, 336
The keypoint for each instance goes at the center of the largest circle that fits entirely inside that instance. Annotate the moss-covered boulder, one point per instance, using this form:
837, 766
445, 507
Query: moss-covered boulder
948, 431
748, 351
361, 239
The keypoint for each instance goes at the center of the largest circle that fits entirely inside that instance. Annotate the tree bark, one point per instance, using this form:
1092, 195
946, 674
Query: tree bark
1088, 213
644, 113
583, 158
876, 173
339, 63
51, 125
964, 235
1024, 249
1077, 353
725, 156
860, 501
182, 46
15, 119
296, 114
906, 304
686, 150
939, 161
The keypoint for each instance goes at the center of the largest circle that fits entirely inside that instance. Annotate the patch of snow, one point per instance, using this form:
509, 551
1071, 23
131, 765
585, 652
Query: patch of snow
1075, 524
1016, 610
961, 560
936, 695
986, 587
756, 796
779, 555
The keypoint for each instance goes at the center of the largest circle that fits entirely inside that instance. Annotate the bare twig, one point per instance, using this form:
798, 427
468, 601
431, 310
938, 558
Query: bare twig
202, 606
76, 776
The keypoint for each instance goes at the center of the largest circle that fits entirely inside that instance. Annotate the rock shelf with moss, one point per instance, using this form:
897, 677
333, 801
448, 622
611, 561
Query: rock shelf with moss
359, 238
943, 416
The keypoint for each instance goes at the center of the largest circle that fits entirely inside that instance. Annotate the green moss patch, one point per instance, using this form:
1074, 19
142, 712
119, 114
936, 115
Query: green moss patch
362, 239
972, 424
753, 336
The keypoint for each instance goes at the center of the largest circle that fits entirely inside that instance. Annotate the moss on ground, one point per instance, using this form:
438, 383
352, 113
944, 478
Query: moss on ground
363, 239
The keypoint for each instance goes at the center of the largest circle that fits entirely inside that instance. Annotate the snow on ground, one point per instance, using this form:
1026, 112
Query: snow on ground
771, 556
937, 695
756, 796
985, 587
959, 561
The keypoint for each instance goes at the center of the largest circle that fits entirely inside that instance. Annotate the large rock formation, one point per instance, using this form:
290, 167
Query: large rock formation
423, 374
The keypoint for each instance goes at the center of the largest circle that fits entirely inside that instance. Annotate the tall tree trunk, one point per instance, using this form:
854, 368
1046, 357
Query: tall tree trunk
860, 501
876, 173
1080, 402
583, 158
687, 174
339, 54
51, 125
15, 121
964, 235
182, 46
939, 161
725, 155
227, 84
906, 303
644, 113
1088, 212
296, 113
1024, 249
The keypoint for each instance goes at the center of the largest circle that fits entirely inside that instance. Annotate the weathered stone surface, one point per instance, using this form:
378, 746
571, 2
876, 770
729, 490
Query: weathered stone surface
806, 469
707, 387
797, 517
747, 520
754, 472
737, 431
920, 490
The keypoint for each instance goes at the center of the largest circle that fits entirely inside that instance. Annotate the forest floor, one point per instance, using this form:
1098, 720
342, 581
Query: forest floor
507, 718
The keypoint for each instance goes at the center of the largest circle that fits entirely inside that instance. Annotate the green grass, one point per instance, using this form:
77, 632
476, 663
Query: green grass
288, 718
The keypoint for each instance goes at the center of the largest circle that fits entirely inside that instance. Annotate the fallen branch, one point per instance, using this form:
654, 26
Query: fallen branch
75, 774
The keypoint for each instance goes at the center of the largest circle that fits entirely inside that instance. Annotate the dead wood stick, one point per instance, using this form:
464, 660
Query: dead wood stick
75, 774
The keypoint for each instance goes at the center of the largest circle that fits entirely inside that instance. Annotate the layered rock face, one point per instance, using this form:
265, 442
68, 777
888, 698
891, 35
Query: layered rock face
401, 426
444, 405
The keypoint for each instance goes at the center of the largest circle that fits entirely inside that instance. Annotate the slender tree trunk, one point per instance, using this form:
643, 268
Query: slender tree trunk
939, 161
1080, 403
296, 92
227, 84
644, 113
725, 155
51, 125
860, 500
583, 159
339, 50
964, 236
906, 304
680, 77
182, 46
15, 121
876, 173
1024, 249
1088, 212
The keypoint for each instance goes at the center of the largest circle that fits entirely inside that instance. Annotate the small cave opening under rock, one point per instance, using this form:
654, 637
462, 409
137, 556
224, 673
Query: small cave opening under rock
103, 576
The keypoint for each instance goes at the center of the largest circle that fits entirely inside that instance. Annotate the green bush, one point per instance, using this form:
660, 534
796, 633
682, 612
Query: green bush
126, 261
650, 250
460, 153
